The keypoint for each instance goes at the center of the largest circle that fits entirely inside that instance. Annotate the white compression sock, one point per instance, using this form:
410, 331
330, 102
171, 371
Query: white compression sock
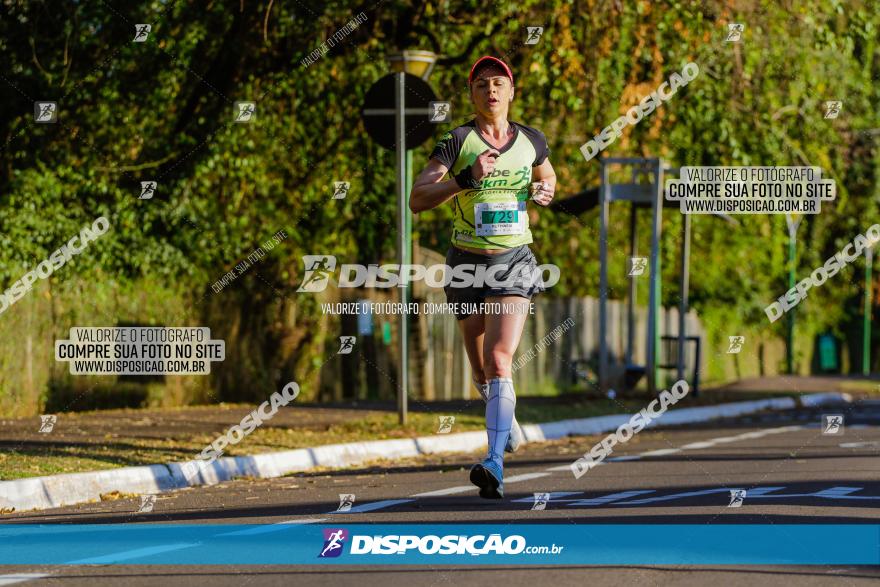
499, 416
483, 389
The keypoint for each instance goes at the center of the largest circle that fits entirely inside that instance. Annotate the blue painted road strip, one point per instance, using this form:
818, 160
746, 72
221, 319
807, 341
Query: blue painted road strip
443, 544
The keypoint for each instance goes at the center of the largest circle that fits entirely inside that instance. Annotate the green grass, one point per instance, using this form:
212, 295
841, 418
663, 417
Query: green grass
118, 450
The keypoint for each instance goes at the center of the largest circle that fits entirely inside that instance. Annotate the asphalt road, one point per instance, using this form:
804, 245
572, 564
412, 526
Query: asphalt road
791, 471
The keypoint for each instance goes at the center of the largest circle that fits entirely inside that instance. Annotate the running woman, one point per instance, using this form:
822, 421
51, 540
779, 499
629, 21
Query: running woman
494, 167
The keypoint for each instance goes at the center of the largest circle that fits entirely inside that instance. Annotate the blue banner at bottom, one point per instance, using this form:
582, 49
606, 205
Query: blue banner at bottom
440, 544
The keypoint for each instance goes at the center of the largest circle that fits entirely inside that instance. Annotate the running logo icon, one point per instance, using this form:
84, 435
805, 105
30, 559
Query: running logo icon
346, 500
333, 542
346, 345
148, 188
541, 501
244, 111
737, 496
47, 423
832, 424
734, 32
533, 34
340, 189
736, 343
638, 266
446, 423
147, 503
141, 32
318, 269
832, 108
45, 112
439, 111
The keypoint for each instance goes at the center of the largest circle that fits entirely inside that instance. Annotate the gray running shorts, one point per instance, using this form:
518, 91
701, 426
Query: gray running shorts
520, 274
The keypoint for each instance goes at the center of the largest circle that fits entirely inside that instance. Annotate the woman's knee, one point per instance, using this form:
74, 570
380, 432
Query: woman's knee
497, 363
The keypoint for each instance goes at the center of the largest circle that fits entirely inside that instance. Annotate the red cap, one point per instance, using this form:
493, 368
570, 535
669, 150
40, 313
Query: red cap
487, 60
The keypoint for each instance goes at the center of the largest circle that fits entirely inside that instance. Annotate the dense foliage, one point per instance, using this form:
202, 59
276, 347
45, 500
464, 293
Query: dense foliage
163, 110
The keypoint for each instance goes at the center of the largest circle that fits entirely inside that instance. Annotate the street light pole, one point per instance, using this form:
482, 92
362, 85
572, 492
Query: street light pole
866, 340
792, 255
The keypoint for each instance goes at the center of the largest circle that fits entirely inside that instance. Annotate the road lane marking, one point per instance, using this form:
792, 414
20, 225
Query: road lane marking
21, 578
447, 491
272, 527
610, 497
525, 477
756, 492
376, 505
660, 452
109, 559
554, 496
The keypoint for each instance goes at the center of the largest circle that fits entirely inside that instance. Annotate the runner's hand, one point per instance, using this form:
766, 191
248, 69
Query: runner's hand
485, 164
541, 192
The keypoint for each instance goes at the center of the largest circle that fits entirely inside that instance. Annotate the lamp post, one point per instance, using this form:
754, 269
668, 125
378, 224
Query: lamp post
418, 63
866, 340
793, 224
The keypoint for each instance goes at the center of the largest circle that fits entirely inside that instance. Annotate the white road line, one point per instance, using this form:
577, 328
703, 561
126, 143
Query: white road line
525, 477
272, 527
369, 507
691, 446
698, 445
660, 452
447, 491
568, 467
21, 578
109, 559
554, 496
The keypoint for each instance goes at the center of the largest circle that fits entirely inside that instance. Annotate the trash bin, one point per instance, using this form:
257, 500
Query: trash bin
828, 354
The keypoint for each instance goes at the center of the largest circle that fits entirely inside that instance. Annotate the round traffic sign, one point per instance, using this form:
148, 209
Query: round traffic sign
378, 112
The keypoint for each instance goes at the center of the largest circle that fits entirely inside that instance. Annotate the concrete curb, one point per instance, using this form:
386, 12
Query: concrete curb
73, 488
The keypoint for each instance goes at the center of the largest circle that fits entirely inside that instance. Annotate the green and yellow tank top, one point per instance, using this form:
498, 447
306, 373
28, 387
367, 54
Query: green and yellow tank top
494, 216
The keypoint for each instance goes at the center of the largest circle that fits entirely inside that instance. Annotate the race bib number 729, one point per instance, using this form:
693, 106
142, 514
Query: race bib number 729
499, 218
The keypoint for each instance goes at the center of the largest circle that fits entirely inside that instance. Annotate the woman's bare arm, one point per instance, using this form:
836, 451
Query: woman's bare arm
429, 191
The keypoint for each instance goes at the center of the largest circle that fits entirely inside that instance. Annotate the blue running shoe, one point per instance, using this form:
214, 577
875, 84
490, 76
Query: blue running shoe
489, 478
